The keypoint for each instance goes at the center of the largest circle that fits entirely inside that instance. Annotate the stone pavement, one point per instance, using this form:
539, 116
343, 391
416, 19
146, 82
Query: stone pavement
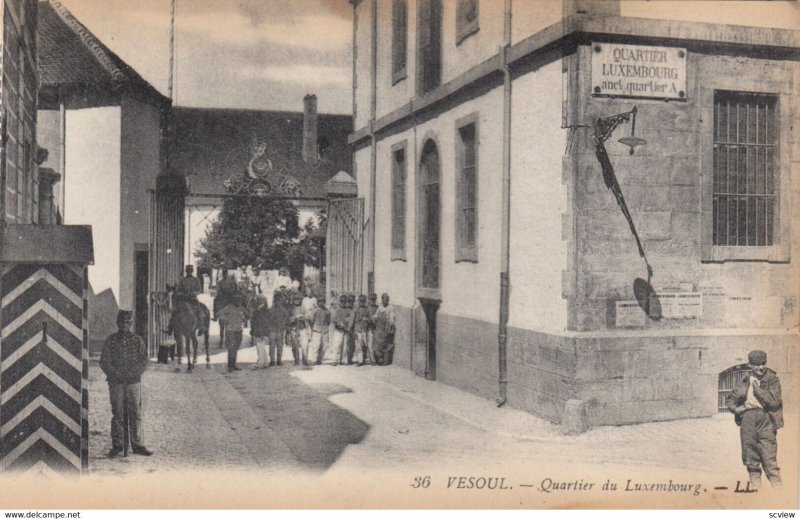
332, 422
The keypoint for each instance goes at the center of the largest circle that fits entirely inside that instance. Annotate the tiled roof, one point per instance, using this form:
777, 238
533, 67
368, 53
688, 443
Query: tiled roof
213, 145
71, 56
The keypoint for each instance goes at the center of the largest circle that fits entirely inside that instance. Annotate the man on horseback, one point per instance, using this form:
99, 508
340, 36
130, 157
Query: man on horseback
187, 290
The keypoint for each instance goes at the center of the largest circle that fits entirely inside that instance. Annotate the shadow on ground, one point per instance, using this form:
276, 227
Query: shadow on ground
315, 430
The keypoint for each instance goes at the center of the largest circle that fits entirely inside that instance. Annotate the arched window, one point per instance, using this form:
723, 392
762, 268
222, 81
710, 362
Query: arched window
429, 217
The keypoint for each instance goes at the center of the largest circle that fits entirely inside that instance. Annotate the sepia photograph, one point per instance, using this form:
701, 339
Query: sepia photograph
399, 254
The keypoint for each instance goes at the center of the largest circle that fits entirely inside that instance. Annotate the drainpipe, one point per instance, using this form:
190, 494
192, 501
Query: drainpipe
505, 250
62, 151
414, 227
374, 150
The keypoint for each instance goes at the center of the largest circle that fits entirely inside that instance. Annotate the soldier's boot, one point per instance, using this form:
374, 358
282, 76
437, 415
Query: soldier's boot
755, 477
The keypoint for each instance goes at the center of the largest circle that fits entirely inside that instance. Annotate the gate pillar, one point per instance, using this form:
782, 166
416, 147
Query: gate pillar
44, 359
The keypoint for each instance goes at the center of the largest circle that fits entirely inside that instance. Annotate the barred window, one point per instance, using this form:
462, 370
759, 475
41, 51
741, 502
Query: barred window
745, 166
399, 201
399, 39
467, 201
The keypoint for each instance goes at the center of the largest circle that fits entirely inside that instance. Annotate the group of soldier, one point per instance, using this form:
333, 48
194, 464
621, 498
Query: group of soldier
364, 331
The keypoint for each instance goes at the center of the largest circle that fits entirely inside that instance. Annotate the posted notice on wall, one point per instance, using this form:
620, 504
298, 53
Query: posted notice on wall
638, 71
629, 314
680, 305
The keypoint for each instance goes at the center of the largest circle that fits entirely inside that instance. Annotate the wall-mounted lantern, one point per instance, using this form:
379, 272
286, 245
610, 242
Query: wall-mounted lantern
605, 126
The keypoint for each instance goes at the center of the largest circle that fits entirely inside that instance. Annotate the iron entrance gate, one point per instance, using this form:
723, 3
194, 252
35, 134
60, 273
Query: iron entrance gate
166, 250
345, 246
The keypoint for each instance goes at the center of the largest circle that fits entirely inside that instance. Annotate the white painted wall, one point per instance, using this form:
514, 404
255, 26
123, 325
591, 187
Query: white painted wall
528, 17
779, 15
93, 188
477, 47
391, 97
468, 289
531, 16
395, 277
538, 201
363, 51
139, 160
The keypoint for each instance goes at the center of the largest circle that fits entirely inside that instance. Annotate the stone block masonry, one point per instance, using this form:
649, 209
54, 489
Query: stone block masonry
636, 377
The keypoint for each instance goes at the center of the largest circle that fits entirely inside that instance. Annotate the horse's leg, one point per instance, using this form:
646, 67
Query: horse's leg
179, 347
208, 358
191, 339
194, 348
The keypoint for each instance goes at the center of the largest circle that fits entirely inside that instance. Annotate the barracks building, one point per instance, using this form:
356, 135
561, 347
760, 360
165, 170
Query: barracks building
582, 209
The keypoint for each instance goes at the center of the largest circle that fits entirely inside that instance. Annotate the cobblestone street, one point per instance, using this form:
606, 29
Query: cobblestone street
332, 422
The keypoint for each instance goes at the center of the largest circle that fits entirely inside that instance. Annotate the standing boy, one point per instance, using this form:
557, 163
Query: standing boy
384, 331
758, 407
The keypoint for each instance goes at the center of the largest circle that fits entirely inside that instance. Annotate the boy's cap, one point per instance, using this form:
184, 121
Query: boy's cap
362, 297
757, 357
373, 296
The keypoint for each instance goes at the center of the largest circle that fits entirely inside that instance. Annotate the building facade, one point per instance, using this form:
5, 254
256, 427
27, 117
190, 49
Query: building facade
101, 124
534, 258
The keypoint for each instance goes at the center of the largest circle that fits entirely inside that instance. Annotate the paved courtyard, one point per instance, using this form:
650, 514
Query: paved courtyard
384, 426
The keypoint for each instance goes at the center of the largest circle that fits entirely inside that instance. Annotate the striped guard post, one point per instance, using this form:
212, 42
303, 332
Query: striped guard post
43, 367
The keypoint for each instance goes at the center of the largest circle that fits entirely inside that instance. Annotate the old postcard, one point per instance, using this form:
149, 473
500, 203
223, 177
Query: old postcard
399, 254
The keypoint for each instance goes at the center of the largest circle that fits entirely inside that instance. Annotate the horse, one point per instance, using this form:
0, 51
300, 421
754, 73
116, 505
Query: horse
185, 328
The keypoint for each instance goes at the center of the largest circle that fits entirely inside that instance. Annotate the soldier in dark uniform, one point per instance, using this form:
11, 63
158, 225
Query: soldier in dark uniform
362, 321
123, 360
758, 407
187, 290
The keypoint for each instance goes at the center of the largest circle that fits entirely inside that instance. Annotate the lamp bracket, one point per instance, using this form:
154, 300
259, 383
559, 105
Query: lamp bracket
605, 126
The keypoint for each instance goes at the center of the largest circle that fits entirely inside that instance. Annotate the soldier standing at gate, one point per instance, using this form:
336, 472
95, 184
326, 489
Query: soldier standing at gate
123, 360
362, 320
383, 342
340, 322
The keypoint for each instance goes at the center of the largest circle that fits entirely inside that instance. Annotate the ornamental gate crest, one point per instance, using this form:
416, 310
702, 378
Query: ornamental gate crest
261, 178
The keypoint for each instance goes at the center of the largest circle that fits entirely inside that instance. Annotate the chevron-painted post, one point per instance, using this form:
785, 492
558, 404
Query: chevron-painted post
85, 374
43, 367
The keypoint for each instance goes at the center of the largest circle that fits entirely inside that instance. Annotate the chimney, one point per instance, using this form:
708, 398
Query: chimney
310, 150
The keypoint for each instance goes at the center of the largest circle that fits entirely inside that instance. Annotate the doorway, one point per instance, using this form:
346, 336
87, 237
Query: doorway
430, 307
141, 263
428, 251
